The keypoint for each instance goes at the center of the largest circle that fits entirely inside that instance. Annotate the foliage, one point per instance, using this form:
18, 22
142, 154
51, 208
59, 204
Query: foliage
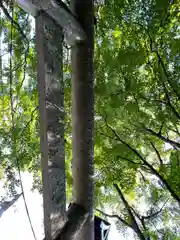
137, 104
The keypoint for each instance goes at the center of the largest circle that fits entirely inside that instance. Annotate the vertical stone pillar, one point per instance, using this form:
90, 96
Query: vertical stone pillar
49, 37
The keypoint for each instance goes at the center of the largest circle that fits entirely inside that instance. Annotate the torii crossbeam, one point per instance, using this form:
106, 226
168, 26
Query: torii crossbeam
58, 11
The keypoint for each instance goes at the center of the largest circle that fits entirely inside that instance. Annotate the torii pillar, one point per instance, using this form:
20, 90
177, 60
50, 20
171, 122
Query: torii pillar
53, 20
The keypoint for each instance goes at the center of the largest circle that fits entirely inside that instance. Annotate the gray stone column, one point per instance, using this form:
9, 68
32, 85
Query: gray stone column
49, 39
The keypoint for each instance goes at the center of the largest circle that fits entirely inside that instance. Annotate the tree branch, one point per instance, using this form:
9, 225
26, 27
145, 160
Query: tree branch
115, 216
169, 102
167, 140
160, 130
126, 144
105, 135
175, 131
129, 160
6, 13
140, 218
162, 65
143, 177
157, 153
128, 208
153, 170
166, 74
152, 215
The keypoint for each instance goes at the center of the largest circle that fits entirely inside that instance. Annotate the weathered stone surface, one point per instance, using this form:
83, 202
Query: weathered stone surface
58, 11
76, 216
51, 99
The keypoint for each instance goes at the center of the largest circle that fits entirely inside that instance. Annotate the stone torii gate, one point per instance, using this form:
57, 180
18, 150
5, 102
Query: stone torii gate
53, 22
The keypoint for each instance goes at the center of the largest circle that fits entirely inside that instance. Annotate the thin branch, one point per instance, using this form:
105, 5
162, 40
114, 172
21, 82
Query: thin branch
6, 13
126, 144
31, 119
13, 122
153, 170
175, 131
162, 64
135, 225
137, 214
167, 140
105, 135
160, 130
166, 74
126, 204
129, 160
154, 100
140, 218
24, 68
169, 102
116, 217
143, 177
157, 153
155, 213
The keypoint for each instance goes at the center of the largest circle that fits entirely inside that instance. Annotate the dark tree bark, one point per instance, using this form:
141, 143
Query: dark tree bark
83, 115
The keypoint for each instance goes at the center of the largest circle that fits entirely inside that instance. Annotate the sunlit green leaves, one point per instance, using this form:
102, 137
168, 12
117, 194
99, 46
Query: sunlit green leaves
137, 88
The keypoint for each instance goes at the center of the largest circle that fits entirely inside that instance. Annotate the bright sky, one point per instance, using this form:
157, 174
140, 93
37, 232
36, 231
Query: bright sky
14, 223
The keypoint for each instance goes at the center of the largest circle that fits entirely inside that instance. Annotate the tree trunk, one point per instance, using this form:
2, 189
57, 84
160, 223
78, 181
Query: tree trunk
83, 115
51, 102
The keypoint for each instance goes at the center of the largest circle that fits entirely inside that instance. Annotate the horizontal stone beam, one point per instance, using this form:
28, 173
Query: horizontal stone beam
59, 12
